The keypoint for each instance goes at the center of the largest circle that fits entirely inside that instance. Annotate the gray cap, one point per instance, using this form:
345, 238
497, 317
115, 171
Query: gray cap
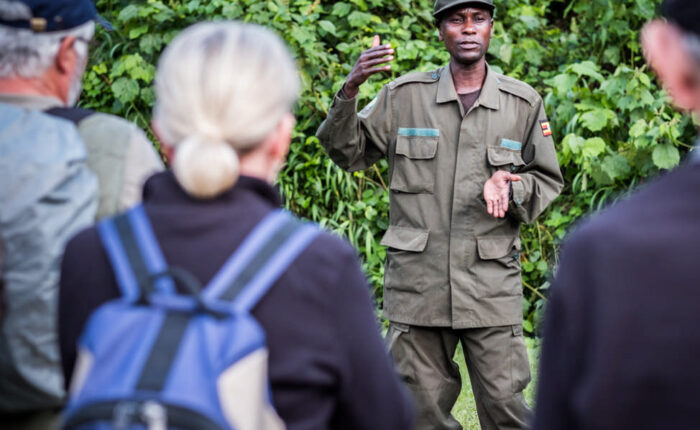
443, 5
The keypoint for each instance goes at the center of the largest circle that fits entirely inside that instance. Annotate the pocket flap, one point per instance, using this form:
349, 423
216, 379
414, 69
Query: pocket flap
405, 238
500, 156
492, 247
417, 147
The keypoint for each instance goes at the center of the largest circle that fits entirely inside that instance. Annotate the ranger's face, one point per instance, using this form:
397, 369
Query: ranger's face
466, 33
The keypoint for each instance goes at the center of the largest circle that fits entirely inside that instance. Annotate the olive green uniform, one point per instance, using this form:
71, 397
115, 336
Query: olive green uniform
449, 263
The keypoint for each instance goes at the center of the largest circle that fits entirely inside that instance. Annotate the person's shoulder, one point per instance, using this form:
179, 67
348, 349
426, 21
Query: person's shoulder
122, 135
517, 88
430, 77
329, 247
45, 139
83, 249
84, 243
109, 124
662, 200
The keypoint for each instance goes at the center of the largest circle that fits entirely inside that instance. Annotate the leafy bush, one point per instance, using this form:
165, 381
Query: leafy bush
610, 119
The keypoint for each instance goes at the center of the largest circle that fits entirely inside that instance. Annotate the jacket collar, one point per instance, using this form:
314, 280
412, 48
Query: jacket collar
488, 98
32, 102
163, 188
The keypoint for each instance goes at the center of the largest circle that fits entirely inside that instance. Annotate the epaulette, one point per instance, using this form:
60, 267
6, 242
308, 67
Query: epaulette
421, 77
518, 88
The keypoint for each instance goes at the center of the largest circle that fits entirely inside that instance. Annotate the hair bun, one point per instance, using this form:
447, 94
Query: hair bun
205, 168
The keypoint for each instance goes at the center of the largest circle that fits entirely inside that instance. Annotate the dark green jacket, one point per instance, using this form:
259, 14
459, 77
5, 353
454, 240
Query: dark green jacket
450, 263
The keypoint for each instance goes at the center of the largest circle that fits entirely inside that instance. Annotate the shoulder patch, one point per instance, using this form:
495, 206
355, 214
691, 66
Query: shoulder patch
518, 89
416, 77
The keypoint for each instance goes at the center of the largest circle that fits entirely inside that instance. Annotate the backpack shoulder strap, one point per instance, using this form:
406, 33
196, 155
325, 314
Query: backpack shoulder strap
134, 253
72, 114
149, 248
259, 261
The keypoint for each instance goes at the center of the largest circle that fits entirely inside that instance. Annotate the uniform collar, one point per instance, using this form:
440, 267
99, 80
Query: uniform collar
32, 102
488, 98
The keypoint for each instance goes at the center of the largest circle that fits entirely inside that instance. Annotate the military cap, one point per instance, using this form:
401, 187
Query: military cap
46, 15
684, 13
443, 5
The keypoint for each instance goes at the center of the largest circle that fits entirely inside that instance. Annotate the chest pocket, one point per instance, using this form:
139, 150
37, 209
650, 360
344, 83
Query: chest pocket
502, 158
414, 161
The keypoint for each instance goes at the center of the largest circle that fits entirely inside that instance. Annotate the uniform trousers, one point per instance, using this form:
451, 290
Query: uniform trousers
498, 366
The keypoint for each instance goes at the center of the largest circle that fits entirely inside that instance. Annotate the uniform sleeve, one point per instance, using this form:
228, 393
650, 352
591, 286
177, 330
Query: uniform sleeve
357, 141
372, 395
142, 161
542, 180
565, 339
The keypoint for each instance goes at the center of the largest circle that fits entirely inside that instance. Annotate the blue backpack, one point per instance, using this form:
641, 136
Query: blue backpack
157, 360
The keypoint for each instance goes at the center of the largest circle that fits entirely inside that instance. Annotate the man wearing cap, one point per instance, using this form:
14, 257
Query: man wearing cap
43, 53
49, 189
471, 156
622, 330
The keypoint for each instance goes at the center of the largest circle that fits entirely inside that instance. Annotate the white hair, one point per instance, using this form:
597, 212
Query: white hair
222, 88
26, 54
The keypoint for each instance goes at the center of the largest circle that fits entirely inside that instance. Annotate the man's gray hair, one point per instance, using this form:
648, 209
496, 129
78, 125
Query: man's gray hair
26, 54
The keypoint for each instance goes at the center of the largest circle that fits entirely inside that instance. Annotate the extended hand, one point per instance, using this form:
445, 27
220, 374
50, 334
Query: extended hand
497, 192
367, 65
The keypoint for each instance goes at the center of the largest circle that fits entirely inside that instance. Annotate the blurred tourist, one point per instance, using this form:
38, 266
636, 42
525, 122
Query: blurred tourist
47, 194
622, 331
225, 93
42, 61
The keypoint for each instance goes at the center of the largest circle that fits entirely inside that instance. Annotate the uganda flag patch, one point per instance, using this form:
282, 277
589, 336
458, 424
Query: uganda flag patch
546, 128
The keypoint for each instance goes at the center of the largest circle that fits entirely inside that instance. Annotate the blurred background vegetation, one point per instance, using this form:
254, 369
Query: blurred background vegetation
612, 125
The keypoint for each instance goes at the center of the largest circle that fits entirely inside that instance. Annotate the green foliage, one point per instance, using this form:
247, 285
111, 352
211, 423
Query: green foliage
610, 119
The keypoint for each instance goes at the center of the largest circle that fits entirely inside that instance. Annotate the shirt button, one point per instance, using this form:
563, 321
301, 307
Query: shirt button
435, 75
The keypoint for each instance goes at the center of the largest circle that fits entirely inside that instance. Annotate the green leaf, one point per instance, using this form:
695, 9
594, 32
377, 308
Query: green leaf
327, 26
128, 13
564, 82
506, 52
587, 68
151, 43
595, 120
573, 143
638, 129
125, 89
359, 19
616, 167
666, 156
644, 79
135, 32
341, 9
593, 147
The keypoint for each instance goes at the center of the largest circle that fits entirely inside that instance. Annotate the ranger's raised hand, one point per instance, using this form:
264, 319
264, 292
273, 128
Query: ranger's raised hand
369, 63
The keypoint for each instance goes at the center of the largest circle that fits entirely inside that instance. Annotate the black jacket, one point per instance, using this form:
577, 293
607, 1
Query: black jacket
328, 364
622, 331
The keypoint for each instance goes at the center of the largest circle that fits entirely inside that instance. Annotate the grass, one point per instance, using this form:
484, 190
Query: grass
465, 408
